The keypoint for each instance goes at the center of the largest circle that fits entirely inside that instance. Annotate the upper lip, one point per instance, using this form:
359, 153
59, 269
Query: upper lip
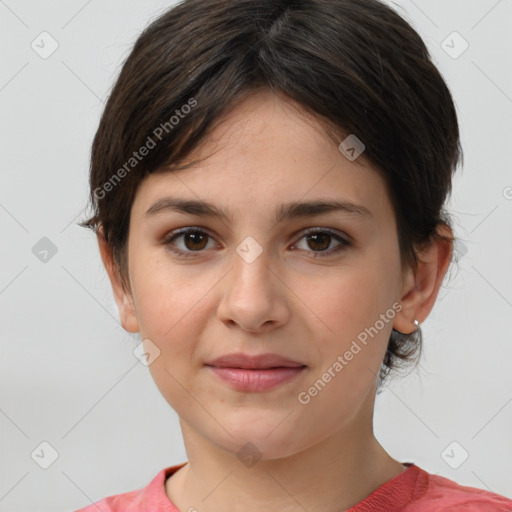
255, 362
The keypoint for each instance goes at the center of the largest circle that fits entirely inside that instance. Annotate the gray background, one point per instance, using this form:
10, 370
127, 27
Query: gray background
68, 373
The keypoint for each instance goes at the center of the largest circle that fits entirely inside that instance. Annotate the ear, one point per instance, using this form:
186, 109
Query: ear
122, 295
421, 285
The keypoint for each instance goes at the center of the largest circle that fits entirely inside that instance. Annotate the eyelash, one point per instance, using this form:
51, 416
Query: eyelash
316, 254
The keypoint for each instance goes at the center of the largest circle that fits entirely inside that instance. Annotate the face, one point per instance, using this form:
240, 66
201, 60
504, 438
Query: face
309, 286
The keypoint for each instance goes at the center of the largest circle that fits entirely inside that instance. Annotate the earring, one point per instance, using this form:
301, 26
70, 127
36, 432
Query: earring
416, 324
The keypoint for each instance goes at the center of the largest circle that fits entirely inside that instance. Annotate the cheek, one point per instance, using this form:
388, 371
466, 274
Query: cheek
353, 310
346, 301
160, 293
168, 302
171, 314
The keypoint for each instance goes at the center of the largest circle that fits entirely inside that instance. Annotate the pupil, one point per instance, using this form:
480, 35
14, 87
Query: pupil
195, 239
325, 237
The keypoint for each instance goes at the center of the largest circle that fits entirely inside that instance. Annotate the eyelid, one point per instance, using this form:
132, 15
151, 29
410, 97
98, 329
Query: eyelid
344, 240
171, 235
331, 231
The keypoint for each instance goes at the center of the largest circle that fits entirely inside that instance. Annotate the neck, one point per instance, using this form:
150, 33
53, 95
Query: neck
333, 475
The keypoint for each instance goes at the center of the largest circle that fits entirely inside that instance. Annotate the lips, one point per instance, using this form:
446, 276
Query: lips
255, 362
259, 373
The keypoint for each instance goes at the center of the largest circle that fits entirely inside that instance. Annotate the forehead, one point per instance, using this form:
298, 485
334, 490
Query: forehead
266, 150
268, 118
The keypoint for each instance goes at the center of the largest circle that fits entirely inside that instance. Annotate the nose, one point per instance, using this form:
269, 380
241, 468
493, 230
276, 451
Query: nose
254, 296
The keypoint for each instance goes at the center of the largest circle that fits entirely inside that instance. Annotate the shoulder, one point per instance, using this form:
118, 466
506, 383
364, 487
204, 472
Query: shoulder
127, 502
151, 497
442, 494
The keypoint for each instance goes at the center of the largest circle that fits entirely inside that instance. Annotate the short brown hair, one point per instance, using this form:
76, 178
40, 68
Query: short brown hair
357, 65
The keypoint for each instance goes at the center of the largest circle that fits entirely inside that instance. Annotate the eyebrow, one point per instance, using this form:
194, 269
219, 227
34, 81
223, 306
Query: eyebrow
285, 211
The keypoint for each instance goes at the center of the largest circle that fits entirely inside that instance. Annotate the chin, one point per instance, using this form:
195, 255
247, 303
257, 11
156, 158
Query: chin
251, 442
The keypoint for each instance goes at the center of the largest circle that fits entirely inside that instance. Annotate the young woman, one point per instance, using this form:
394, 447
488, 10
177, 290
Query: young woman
268, 182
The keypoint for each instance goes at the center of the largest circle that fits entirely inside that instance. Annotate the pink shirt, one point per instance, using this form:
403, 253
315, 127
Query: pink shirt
414, 490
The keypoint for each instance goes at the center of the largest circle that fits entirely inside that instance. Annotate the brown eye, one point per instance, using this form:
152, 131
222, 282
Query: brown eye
188, 241
195, 240
318, 241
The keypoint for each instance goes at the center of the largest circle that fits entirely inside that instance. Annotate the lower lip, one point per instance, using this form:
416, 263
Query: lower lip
257, 380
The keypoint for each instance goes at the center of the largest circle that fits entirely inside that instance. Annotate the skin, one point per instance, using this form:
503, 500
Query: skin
321, 456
